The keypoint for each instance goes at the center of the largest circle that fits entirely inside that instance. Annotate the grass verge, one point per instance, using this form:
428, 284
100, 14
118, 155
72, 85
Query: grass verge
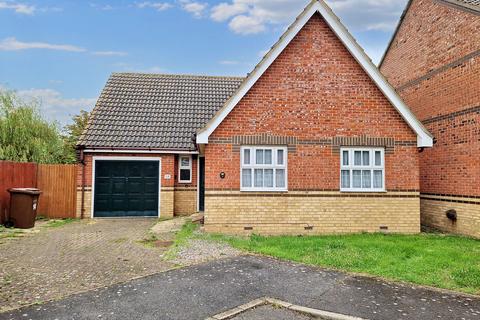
443, 261
56, 223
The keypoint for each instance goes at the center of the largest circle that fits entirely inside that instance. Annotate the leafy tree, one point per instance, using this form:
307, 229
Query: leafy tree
26, 136
74, 130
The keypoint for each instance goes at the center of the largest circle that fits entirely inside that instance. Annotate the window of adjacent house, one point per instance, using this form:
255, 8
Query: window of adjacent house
362, 169
263, 169
184, 169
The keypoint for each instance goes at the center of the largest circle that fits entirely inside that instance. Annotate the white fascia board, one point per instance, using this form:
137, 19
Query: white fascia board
424, 138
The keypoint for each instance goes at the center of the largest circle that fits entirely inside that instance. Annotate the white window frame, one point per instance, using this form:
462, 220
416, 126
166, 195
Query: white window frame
372, 167
274, 166
180, 167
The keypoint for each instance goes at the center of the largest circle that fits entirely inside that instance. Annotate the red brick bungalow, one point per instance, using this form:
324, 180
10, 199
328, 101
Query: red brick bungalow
433, 61
314, 140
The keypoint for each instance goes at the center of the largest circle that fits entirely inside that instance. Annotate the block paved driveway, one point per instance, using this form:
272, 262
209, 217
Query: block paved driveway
198, 292
75, 257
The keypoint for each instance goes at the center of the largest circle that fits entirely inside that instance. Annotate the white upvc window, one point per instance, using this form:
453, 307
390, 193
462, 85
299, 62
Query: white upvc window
263, 169
362, 169
185, 169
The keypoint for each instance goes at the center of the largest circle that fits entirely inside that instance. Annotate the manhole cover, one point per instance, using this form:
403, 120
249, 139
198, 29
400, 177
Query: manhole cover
274, 309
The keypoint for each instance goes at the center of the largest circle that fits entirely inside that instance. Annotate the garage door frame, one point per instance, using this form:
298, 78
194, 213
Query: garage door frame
104, 158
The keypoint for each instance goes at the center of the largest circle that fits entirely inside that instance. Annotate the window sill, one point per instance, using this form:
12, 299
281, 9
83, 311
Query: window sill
264, 190
185, 182
363, 191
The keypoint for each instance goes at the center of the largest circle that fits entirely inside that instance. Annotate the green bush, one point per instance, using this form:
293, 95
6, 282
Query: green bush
25, 136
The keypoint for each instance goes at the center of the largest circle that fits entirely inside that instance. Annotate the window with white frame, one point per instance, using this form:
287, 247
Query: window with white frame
362, 169
185, 169
263, 169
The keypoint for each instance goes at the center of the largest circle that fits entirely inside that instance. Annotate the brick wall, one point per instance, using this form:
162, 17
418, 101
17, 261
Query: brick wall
432, 34
312, 96
169, 187
312, 212
434, 63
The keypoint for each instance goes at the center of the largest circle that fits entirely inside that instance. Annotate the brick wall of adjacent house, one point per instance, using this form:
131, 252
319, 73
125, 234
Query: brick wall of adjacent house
175, 198
314, 98
434, 63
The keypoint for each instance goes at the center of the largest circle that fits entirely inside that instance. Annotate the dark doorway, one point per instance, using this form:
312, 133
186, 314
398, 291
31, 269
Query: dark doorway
201, 184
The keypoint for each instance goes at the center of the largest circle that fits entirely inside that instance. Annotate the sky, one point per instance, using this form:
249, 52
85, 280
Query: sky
61, 53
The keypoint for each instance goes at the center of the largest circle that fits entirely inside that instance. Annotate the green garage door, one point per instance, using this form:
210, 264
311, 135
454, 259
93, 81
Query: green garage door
126, 188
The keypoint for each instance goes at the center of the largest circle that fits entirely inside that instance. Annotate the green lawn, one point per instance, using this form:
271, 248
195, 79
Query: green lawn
449, 262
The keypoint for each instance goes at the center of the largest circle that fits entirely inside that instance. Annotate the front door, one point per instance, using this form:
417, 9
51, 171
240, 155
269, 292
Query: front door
201, 184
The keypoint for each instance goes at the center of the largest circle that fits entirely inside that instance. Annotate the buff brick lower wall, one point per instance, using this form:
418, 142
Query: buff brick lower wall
167, 200
433, 214
87, 211
185, 201
232, 212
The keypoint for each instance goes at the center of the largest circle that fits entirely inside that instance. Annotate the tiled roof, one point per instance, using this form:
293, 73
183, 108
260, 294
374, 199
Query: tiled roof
155, 111
472, 2
470, 5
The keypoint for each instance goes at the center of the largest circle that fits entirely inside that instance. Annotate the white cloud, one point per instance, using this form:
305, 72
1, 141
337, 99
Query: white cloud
381, 26
255, 16
229, 62
54, 106
225, 11
17, 7
159, 6
368, 15
102, 7
110, 53
12, 44
246, 25
193, 7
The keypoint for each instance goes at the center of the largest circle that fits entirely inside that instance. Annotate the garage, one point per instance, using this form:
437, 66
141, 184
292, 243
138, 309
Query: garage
126, 188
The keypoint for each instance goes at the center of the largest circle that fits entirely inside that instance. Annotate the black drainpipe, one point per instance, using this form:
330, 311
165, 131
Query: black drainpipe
82, 163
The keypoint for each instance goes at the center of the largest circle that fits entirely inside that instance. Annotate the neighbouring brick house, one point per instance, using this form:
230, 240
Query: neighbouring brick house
433, 61
313, 140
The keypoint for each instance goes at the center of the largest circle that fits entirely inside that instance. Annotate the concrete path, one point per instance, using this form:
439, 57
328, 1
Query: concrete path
205, 290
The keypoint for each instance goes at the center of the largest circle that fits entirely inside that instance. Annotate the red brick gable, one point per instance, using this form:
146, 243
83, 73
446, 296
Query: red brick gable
431, 35
315, 89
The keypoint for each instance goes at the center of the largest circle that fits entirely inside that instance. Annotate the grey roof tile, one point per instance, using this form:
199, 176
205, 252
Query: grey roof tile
470, 5
155, 111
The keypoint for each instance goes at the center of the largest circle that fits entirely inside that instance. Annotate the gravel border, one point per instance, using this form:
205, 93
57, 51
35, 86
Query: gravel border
197, 251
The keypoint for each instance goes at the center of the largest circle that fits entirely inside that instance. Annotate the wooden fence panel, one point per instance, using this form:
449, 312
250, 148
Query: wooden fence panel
58, 185
15, 175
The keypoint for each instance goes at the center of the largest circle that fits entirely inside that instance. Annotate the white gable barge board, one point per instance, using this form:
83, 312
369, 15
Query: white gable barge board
424, 138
